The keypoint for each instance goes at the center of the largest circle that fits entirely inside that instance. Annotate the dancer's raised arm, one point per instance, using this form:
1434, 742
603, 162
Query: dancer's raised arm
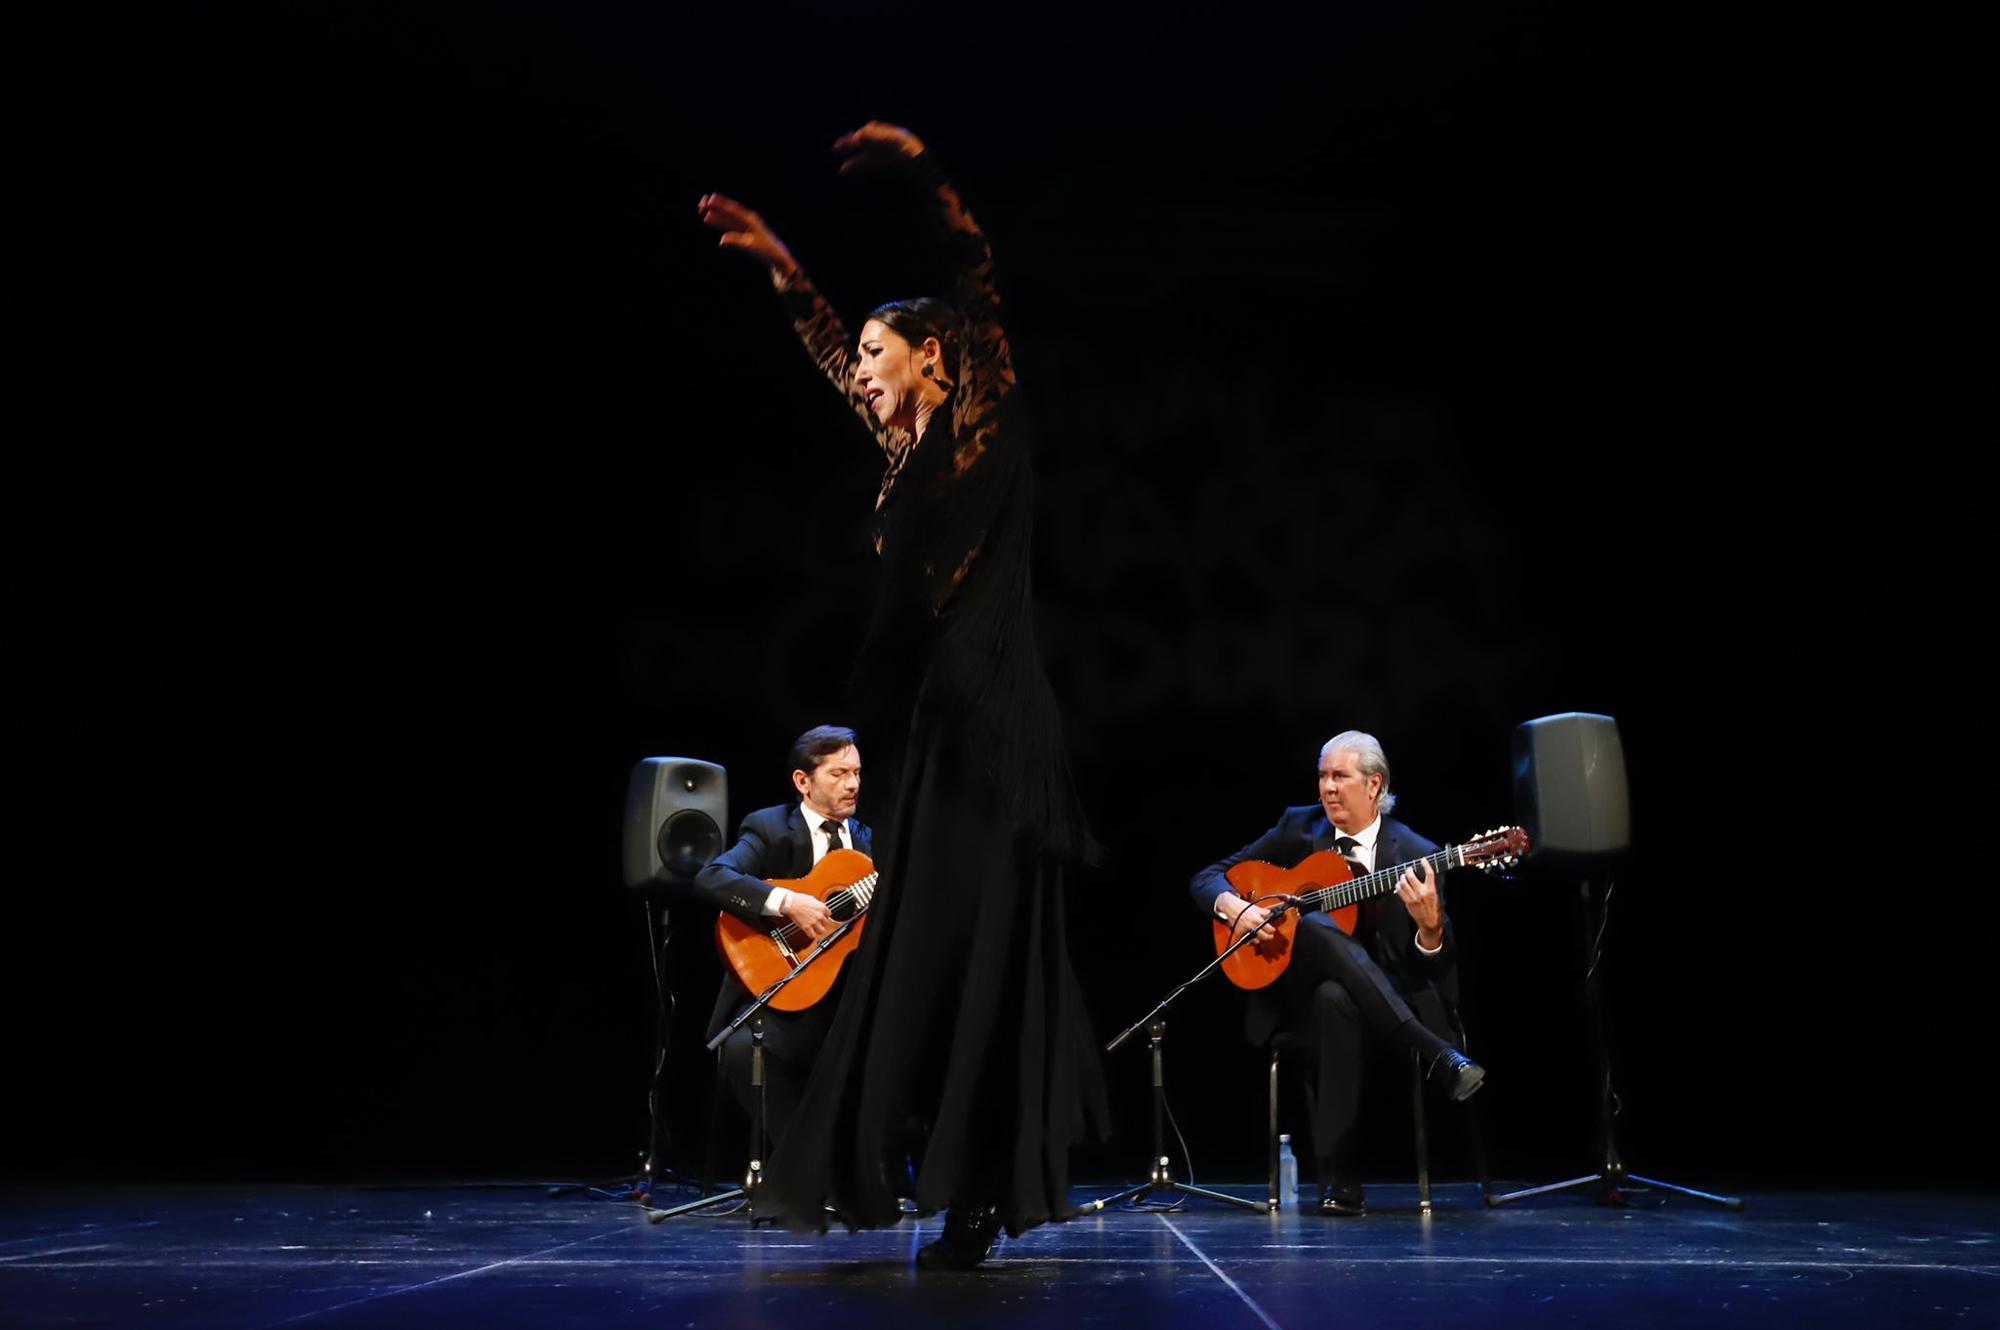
818, 327
985, 368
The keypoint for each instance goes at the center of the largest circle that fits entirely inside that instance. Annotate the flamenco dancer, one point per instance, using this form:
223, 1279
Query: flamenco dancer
961, 1011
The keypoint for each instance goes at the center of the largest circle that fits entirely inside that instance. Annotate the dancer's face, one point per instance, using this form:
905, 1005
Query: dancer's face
1347, 796
832, 788
889, 371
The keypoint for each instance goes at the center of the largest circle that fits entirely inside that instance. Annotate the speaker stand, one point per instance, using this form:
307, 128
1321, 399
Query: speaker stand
1612, 1183
652, 1173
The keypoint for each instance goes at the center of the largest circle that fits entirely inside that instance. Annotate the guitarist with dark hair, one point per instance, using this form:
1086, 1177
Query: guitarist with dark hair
1395, 978
785, 841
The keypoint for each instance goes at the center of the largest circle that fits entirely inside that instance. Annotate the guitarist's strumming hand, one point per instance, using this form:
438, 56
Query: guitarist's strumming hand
1421, 899
808, 915
1243, 915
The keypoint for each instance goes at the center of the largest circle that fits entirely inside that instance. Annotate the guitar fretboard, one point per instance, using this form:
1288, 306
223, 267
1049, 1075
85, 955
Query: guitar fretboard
1380, 882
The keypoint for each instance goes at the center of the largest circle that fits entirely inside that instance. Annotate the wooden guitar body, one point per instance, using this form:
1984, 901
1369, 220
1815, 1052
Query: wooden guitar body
762, 953
1259, 964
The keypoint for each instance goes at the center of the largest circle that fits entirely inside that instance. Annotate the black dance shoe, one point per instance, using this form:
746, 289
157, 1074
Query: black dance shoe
969, 1232
1459, 1074
1342, 1199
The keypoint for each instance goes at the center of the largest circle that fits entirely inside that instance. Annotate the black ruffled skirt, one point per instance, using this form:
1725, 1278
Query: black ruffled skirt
961, 1039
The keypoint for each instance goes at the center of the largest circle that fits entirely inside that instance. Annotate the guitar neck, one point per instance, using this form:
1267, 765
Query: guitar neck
863, 891
1380, 882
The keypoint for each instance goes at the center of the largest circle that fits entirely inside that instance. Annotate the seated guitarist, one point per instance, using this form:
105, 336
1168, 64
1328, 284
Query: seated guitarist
1395, 979
785, 842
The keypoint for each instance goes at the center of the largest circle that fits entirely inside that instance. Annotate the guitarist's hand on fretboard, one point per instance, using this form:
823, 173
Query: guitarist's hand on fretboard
1420, 897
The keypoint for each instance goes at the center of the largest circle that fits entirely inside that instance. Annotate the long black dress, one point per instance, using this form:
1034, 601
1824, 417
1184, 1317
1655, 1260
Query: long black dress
961, 1011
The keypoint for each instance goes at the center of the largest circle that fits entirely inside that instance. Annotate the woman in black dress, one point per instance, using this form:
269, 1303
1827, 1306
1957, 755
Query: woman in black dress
960, 1008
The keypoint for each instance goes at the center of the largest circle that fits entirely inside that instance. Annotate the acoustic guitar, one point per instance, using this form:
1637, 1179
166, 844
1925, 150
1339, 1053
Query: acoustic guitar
764, 952
1323, 881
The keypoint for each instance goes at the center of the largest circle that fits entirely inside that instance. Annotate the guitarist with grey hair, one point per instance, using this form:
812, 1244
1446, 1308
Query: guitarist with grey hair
1395, 978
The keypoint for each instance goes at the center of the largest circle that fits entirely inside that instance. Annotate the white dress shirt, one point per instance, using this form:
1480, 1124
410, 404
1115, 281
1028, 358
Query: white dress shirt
774, 903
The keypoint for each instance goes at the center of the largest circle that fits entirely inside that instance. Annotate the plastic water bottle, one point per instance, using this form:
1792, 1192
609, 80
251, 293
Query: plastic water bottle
1288, 1172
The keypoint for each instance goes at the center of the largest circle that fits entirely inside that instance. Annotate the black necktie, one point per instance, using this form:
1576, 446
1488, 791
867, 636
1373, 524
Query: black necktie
1349, 849
832, 830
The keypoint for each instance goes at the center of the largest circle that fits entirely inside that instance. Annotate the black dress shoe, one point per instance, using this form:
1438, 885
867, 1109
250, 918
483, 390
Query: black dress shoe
1344, 1199
969, 1232
1459, 1074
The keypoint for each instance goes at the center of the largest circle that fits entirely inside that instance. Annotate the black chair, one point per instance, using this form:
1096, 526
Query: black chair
1291, 1043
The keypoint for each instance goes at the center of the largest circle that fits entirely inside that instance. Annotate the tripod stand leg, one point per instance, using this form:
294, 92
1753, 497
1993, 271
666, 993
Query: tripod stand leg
1612, 1190
1138, 1193
1133, 1195
720, 1198
1726, 1202
1547, 1189
1188, 1188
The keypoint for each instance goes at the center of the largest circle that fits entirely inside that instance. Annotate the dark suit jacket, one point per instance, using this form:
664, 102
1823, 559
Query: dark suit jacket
772, 843
1392, 939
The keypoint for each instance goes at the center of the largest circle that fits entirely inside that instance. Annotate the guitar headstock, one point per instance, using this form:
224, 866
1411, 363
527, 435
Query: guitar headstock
1502, 847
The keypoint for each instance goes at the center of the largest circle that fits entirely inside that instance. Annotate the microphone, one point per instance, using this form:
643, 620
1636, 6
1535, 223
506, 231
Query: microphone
1274, 913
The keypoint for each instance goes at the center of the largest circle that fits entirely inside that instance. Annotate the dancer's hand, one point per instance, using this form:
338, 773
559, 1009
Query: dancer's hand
744, 230
875, 144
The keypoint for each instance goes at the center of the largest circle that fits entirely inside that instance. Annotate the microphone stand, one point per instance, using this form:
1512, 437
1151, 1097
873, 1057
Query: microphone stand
1161, 1177
754, 1177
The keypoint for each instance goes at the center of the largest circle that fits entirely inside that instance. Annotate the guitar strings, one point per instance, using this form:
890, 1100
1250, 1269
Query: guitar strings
790, 935
1358, 889
1376, 883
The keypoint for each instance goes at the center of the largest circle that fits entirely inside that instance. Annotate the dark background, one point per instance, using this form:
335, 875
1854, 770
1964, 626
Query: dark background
1421, 369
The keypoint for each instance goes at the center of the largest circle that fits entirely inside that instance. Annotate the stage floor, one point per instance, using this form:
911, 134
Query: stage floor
495, 1256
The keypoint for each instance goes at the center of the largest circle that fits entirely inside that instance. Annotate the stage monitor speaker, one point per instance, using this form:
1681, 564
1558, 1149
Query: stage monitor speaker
675, 809
1569, 789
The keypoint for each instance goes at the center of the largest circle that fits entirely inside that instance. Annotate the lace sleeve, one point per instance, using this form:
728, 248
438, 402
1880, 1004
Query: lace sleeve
825, 339
986, 366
